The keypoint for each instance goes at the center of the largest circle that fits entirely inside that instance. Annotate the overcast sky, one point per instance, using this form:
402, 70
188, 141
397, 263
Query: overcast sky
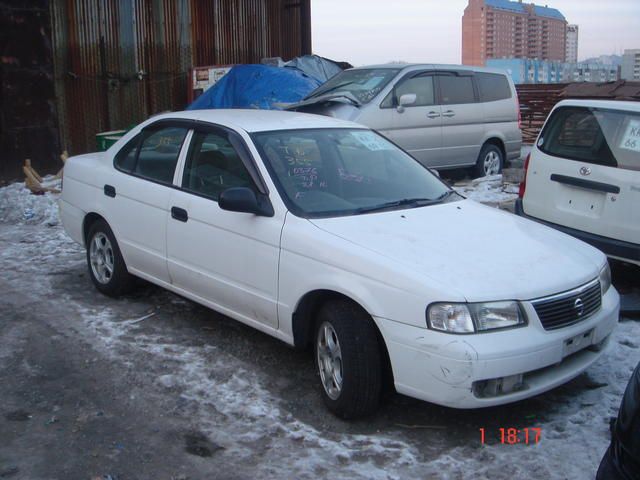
378, 31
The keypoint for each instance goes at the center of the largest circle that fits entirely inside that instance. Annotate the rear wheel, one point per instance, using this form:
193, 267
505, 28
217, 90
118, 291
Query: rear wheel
490, 161
106, 265
348, 360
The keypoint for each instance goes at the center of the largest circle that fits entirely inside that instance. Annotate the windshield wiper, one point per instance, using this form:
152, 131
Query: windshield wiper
415, 202
396, 203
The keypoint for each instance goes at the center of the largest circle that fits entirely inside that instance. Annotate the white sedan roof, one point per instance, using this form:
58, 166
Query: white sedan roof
260, 120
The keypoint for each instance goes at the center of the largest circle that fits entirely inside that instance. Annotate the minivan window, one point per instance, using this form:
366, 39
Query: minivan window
492, 86
361, 84
593, 135
334, 172
158, 154
421, 86
456, 89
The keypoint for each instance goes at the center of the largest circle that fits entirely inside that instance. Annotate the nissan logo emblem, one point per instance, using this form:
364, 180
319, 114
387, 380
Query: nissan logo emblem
579, 306
585, 171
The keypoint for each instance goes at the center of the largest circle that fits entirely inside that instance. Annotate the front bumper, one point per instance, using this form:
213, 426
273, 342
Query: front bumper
629, 252
443, 368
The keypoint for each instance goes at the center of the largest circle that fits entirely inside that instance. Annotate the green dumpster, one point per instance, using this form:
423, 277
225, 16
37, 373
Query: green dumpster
105, 139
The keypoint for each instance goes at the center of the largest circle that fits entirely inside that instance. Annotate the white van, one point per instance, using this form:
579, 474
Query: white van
583, 175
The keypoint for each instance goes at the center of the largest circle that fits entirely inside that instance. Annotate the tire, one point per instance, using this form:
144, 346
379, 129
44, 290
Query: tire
490, 161
104, 260
358, 371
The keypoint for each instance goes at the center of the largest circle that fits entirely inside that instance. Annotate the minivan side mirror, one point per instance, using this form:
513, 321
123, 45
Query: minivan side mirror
406, 100
245, 200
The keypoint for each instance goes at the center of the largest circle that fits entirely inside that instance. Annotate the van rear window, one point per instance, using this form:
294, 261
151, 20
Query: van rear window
593, 135
493, 86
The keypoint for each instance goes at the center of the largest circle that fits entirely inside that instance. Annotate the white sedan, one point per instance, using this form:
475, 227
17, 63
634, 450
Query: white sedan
321, 232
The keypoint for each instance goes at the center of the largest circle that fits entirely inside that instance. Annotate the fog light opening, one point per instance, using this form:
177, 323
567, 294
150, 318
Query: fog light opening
499, 386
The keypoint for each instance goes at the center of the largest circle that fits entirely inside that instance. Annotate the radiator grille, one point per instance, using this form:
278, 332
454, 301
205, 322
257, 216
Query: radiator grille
570, 307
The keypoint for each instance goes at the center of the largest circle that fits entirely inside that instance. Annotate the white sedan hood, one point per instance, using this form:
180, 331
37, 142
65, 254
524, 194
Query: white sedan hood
477, 251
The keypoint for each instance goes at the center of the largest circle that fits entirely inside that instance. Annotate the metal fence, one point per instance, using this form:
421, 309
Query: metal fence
117, 62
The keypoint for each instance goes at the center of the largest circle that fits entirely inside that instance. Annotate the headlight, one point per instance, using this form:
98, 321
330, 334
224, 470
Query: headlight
605, 278
474, 317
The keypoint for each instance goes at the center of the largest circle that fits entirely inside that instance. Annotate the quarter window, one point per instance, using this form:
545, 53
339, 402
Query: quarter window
126, 157
213, 166
456, 89
158, 154
493, 86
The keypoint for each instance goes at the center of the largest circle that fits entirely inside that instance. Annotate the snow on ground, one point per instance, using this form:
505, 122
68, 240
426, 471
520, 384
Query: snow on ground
489, 190
19, 206
232, 400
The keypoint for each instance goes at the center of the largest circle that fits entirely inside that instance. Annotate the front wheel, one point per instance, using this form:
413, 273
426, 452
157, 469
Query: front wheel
490, 161
106, 265
348, 360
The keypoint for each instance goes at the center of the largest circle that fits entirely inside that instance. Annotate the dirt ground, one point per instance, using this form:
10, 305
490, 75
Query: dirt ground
153, 386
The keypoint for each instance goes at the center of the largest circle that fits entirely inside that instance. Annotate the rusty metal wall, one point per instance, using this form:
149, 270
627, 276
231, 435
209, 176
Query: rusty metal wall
28, 120
119, 61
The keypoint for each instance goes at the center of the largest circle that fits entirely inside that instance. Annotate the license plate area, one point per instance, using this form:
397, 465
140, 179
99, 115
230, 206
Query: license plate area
580, 201
577, 343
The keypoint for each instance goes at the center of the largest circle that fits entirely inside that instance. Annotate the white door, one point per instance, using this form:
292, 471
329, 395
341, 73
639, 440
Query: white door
417, 128
139, 197
227, 258
585, 172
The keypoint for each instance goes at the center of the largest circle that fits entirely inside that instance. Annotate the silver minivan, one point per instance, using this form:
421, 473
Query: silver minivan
446, 116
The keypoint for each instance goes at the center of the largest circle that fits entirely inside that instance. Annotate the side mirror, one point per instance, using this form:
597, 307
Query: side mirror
244, 200
435, 172
407, 99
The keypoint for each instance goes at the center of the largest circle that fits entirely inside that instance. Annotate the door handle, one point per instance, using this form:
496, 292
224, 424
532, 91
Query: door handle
433, 114
179, 214
110, 191
449, 113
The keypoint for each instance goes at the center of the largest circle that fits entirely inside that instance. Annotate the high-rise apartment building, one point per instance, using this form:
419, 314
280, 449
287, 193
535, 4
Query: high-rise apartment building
505, 29
630, 65
572, 44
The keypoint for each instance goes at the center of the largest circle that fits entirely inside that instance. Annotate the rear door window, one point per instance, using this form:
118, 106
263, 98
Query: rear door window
597, 136
493, 87
158, 154
456, 89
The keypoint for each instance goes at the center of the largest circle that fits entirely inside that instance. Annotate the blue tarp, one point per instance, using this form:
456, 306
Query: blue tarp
257, 86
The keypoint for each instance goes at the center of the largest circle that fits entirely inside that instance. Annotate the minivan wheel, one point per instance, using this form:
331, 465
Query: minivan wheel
348, 360
106, 265
490, 161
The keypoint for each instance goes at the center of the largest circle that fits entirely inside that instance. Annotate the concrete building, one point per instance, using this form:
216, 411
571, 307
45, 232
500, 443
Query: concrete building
572, 44
631, 64
524, 70
506, 29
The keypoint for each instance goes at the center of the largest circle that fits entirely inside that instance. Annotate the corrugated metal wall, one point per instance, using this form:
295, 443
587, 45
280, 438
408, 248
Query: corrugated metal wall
119, 61
28, 119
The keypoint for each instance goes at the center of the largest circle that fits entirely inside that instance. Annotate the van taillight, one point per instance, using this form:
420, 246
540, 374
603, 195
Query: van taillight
519, 112
523, 183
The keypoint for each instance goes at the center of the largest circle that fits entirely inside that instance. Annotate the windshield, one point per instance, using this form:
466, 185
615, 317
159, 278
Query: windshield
360, 84
333, 172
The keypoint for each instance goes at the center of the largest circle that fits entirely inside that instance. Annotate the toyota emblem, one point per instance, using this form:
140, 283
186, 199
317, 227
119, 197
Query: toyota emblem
579, 307
585, 171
